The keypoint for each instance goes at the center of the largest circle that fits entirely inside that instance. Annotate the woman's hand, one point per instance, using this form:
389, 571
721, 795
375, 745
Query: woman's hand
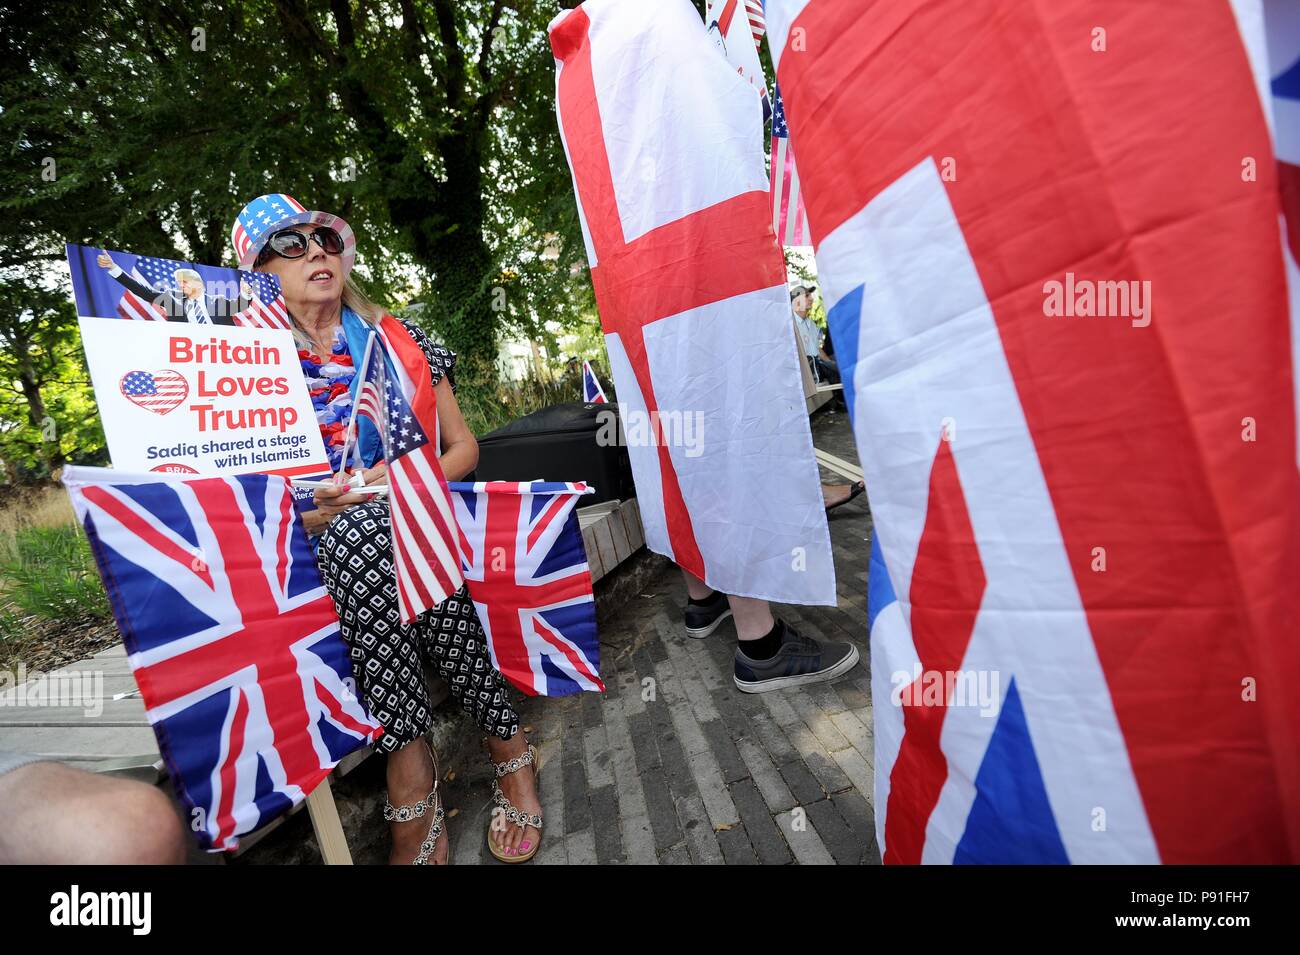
333, 501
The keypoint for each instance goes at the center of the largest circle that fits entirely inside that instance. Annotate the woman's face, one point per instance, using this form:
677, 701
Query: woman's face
315, 279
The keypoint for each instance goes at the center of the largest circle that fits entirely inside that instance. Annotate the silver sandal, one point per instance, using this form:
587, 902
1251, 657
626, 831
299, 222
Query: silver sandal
407, 813
511, 813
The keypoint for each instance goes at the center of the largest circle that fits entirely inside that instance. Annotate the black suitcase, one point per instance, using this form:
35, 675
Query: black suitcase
559, 443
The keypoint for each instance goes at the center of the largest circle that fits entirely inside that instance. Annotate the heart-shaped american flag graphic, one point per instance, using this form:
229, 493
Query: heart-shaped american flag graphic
156, 391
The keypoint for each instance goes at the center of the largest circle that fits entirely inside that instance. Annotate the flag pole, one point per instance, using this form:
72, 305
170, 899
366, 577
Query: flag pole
351, 434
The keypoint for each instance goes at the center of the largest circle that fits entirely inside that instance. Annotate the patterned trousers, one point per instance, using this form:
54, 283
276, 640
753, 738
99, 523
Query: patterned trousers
356, 561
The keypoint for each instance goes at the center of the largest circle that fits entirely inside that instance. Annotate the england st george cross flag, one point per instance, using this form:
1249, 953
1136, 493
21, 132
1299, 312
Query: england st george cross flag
232, 639
1050, 244
665, 141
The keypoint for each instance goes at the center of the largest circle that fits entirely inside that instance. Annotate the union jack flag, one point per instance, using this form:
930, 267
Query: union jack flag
1122, 582
591, 390
268, 309
529, 579
397, 395
232, 639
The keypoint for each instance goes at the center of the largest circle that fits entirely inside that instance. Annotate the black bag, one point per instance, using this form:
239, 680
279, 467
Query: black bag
558, 443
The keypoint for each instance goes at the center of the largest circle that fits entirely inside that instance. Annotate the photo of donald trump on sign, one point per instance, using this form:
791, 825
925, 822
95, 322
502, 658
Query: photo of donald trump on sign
142, 288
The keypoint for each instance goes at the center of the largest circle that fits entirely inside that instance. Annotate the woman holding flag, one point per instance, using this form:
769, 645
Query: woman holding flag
390, 634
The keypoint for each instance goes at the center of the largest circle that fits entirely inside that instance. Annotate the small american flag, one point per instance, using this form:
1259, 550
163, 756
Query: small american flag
397, 395
268, 309
789, 220
158, 275
757, 25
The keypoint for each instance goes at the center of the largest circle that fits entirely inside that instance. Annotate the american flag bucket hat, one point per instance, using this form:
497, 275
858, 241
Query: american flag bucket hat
266, 215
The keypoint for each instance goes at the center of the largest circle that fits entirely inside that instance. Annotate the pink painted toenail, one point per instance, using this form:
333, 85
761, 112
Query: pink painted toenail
523, 846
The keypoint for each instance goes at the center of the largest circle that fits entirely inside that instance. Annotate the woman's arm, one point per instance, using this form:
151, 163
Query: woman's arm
459, 449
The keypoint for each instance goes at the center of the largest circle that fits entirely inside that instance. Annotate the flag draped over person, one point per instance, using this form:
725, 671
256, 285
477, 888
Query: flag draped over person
1060, 307
529, 579
232, 639
690, 283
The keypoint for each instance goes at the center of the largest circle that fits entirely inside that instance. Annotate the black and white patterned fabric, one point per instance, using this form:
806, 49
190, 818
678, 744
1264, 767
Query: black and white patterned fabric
356, 560
388, 659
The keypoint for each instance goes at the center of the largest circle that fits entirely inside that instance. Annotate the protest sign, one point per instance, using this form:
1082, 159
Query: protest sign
202, 399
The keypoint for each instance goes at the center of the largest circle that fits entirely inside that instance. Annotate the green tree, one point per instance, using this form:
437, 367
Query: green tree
428, 124
47, 415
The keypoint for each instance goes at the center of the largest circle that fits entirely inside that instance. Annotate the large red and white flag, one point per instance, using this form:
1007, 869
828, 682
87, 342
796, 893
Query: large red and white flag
672, 195
1058, 292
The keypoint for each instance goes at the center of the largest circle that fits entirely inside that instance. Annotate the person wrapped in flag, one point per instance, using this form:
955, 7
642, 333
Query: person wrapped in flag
393, 569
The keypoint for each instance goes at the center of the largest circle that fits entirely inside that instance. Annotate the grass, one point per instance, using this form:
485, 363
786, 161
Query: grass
47, 574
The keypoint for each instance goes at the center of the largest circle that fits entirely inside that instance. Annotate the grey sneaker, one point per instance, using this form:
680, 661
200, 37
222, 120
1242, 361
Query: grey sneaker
801, 660
704, 617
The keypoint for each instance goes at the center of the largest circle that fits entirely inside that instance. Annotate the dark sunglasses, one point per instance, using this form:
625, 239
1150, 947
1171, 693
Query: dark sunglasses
292, 244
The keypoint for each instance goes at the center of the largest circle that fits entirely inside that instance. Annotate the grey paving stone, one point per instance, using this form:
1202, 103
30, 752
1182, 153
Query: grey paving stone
859, 771
701, 842
828, 772
713, 790
763, 771
661, 811
819, 722
596, 746
638, 840
642, 728
835, 833
581, 847
802, 838
735, 846
676, 856
769, 845
856, 811
573, 771
724, 751
803, 784
605, 825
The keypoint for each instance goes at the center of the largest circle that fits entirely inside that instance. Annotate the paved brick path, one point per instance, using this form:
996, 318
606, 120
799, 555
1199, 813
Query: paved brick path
675, 765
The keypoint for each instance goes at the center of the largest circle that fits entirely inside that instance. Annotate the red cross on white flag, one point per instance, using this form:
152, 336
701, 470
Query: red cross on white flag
666, 152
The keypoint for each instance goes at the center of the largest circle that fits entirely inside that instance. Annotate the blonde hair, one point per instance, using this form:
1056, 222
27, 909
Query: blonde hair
354, 299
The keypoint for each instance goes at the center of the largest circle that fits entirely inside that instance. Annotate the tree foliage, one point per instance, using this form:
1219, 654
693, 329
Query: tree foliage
428, 124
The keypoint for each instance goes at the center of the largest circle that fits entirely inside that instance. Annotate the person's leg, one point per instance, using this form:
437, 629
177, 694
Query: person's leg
706, 609
51, 814
833, 495
411, 777
356, 565
696, 588
753, 618
454, 640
